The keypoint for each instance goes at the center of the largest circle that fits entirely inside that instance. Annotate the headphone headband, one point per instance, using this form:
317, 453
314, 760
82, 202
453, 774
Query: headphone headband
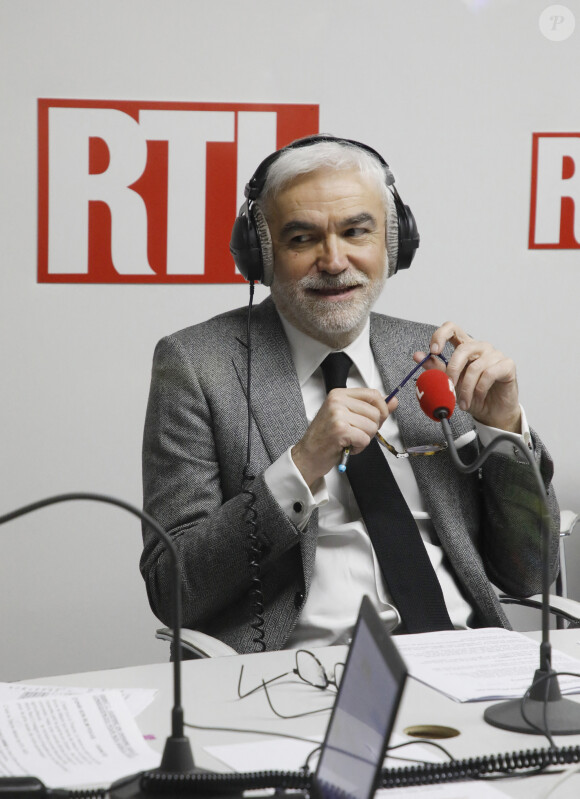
255, 185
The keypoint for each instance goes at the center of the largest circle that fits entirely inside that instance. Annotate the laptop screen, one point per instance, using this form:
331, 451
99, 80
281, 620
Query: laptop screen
364, 712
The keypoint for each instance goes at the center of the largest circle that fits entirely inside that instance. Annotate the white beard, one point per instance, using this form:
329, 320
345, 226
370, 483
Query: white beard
334, 323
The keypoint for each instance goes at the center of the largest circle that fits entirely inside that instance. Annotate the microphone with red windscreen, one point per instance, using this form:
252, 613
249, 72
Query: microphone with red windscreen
436, 394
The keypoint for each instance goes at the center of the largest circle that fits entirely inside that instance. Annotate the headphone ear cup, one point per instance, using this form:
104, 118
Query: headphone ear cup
408, 238
265, 244
245, 245
407, 235
392, 236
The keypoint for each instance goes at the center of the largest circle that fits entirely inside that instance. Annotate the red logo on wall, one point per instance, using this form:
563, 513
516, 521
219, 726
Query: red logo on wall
147, 192
555, 196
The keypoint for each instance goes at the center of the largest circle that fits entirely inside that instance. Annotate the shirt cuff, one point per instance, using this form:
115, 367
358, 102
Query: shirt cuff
291, 491
488, 434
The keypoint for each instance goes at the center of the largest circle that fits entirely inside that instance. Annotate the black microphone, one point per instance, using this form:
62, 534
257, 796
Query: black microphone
177, 756
545, 707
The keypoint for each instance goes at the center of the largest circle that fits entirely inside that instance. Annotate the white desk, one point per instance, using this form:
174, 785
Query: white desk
210, 698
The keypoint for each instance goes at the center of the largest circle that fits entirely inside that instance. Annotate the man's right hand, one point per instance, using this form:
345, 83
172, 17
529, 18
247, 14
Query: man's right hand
349, 417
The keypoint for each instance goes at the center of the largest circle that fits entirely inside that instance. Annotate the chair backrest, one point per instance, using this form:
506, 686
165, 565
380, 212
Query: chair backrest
568, 520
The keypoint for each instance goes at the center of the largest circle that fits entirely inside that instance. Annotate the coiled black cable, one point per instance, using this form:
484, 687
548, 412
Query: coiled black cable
509, 763
250, 512
33, 788
254, 560
214, 783
520, 763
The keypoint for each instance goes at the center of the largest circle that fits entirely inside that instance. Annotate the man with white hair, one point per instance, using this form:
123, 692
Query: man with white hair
277, 545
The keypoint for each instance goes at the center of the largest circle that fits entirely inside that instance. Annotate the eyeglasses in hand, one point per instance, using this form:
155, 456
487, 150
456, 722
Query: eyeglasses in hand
424, 449
416, 368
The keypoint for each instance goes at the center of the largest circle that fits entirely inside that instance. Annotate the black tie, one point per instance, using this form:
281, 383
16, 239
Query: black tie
395, 537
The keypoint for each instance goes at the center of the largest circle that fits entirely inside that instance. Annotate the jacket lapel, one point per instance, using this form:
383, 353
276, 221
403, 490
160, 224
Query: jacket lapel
277, 405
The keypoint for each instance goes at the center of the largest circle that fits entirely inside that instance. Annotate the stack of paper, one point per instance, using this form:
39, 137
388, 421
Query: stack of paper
67, 737
480, 665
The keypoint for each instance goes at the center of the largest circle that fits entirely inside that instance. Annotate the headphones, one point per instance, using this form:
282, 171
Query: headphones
251, 243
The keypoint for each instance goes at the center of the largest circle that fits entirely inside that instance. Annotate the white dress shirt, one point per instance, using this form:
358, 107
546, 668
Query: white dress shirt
346, 566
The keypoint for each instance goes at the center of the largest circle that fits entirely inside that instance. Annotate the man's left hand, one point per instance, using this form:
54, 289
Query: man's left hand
484, 378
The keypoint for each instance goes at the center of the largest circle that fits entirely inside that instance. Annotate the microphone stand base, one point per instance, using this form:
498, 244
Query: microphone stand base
550, 714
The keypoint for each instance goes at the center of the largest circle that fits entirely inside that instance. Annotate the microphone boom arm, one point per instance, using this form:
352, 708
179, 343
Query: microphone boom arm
177, 755
542, 710
545, 648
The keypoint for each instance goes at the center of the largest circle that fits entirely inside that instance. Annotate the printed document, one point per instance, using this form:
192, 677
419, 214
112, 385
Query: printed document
480, 665
82, 739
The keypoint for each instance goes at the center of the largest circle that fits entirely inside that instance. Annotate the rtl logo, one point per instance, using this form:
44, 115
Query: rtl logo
147, 192
555, 196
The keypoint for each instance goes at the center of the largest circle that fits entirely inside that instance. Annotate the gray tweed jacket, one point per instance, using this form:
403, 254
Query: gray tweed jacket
194, 452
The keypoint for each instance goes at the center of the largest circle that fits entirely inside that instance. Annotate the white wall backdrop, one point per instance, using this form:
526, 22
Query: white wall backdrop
449, 92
